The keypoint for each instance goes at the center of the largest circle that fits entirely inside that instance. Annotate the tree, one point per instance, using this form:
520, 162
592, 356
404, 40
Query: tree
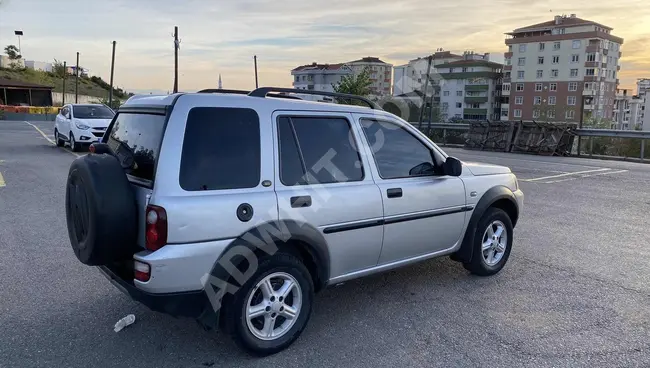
12, 52
57, 69
354, 85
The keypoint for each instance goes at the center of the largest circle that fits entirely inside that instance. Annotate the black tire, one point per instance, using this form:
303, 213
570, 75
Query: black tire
478, 265
74, 146
57, 139
234, 306
101, 210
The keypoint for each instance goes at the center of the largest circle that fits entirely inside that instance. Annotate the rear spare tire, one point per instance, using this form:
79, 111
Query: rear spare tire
100, 210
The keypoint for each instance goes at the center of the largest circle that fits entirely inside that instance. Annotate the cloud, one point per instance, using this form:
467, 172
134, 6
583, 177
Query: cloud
221, 36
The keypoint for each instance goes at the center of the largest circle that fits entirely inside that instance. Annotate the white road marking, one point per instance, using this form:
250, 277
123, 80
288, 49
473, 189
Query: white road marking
48, 139
566, 174
586, 176
2, 181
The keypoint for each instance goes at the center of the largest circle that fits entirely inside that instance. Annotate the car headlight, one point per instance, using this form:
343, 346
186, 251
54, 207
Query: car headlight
82, 126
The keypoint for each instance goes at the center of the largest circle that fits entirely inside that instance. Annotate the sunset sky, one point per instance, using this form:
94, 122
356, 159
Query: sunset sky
221, 36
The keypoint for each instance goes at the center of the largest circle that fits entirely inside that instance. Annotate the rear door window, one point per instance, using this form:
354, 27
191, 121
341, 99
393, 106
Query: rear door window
135, 139
221, 149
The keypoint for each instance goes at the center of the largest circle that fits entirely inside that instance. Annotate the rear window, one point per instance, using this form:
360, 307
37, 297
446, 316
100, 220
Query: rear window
221, 149
136, 139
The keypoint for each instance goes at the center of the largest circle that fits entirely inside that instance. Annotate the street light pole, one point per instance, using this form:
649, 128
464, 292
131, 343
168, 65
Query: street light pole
255, 62
65, 73
76, 81
110, 92
582, 115
20, 49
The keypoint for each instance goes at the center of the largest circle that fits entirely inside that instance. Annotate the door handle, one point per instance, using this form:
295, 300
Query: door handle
394, 192
300, 201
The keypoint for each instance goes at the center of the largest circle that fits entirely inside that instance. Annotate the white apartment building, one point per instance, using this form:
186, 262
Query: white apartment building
411, 77
555, 66
627, 111
643, 91
381, 74
38, 65
470, 89
319, 77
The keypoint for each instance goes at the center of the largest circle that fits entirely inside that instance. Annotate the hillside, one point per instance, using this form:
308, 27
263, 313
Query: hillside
93, 86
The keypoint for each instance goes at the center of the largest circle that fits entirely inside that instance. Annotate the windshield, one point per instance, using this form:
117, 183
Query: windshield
92, 112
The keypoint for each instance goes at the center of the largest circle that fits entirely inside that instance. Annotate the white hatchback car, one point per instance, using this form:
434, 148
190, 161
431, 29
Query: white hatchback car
81, 124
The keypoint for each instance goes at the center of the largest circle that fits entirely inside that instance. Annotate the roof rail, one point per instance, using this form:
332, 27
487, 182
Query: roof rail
241, 92
264, 91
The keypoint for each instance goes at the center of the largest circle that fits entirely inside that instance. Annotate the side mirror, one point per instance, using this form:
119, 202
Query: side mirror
452, 166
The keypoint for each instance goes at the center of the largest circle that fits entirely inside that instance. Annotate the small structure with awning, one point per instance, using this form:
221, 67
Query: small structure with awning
18, 93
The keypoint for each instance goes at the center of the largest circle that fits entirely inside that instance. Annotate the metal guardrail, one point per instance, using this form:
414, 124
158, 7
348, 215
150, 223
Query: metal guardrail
589, 133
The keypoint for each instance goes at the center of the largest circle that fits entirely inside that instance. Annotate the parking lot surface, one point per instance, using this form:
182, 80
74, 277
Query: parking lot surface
575, 292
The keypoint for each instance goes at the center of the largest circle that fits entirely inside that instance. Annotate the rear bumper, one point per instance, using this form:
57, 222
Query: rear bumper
183, 304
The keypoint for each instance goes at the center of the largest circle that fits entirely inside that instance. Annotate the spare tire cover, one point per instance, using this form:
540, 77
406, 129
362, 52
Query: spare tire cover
101, 210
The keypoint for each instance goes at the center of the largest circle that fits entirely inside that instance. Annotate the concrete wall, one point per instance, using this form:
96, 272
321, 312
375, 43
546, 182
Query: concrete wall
57, 98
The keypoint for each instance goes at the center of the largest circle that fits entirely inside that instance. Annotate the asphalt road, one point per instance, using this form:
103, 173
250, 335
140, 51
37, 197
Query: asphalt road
575, 293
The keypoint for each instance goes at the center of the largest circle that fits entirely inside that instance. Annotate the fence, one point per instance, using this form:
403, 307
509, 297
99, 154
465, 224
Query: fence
538, 138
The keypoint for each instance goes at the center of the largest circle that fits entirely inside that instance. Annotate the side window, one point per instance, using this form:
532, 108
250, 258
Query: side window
64, 111
317, 150
397, 153
221, 149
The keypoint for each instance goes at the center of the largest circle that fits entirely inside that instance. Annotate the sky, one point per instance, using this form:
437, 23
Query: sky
221, 36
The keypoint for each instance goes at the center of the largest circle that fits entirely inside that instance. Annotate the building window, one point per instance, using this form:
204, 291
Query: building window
516, 113
451, 70
556, 59
571, 100
590, 72
538, 87
574, 73
304, 78
464, 70
520, 74
591, 57
551, 100
535, 114
570, 114
575, 58
519, 87
297, 78
537, 100
540, 74
519, 100
576, 44
506, 87
504, 113
553, 87
541, 46
522, 61
459, 93
540, 60
459, 105
522, 47
550, 114
445, 106
554, 73
445, 93
573, 86
556, 45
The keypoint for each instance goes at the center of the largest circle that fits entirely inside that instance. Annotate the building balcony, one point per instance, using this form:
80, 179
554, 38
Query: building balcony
507, 67
593, 47
592, 78
588, 92
387, 80
476, 87
476, 99
475, 111
507, 54
603, 65
505, 92
591, 64
506, 80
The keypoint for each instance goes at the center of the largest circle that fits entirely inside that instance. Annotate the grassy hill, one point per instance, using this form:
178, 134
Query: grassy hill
93, 86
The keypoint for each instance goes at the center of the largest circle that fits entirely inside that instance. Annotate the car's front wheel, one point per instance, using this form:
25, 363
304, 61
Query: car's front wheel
271, 309
492, 243
74, 146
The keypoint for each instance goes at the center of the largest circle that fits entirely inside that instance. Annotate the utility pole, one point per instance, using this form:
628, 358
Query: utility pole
176, 45
255, 62
110, 92
424, 92
76, 81
582, 114
65, 74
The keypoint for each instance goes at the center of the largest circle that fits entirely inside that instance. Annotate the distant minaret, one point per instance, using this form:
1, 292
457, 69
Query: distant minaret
220, 86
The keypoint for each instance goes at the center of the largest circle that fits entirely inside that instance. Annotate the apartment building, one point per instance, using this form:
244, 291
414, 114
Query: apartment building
552, 68
411, 77
319, 77
470, 88
627, 111
381, 74
643, 91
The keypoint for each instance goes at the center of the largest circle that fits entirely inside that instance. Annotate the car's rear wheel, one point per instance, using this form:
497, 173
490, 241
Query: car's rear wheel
492, 243
57, 139
269, 312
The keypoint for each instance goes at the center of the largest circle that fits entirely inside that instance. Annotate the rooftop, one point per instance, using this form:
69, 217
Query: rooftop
10, 83
316, 66
461, 63
368, 59
564, 21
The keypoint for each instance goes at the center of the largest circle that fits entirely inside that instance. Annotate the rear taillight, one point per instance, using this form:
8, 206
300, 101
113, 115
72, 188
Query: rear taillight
141, 271
156, 227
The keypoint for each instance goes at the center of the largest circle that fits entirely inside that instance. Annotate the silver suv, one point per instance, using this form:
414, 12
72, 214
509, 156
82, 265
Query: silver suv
235, 208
